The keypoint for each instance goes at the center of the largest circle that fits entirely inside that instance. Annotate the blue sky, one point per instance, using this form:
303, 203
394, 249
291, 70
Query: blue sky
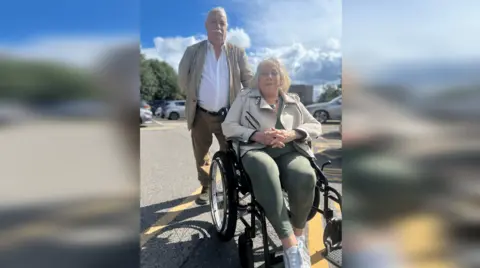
306, 35
66, 18
279, 28
75, 31
169, 18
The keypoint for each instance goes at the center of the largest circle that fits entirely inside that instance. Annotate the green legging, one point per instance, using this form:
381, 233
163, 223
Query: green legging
271, 168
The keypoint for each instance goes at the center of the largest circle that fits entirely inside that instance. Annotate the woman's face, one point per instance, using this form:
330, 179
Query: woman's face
269, 80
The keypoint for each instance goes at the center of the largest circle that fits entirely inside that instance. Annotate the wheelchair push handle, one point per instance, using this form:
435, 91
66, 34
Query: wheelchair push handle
326, 164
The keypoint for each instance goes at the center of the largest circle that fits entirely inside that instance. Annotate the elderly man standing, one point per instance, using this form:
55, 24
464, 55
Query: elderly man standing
211, 74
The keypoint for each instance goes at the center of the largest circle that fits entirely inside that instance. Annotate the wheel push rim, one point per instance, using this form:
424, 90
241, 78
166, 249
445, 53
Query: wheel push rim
218, 200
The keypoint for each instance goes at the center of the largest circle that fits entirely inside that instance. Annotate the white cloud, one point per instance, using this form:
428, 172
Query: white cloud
284, 22
239, 37
171, 50
304, 35
377, 35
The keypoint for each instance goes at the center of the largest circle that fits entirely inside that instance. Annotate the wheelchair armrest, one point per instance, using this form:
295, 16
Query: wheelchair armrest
233, 144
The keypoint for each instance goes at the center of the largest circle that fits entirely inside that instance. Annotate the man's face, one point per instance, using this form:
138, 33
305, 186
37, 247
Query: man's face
216, 25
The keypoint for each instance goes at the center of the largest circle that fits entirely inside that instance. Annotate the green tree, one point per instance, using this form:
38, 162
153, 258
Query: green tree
330, 92
35, 81
158, 81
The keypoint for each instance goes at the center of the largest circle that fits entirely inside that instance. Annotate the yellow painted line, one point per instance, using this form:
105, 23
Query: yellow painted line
169, 217
315, 239
422, 236
315, 242
158, 128
333, 170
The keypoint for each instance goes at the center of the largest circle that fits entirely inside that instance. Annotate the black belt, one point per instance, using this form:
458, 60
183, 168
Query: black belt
222, 112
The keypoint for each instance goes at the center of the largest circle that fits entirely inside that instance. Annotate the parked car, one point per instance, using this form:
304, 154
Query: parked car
174, 110
324, 111
155, 104
145, 113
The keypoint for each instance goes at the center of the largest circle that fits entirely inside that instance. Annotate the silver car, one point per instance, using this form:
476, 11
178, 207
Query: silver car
324, 111
145, 113
174, 110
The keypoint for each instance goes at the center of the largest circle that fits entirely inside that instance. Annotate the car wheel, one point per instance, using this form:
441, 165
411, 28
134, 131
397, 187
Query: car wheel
174, 116
321, 116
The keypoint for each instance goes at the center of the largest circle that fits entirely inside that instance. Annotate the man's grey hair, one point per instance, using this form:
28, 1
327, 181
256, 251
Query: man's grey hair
220, 10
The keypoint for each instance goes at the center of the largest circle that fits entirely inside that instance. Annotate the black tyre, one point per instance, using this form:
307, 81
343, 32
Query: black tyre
245, 251
322, 116
226, 199
174, 116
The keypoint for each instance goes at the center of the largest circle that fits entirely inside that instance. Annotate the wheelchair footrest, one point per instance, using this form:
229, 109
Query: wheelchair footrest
334, 257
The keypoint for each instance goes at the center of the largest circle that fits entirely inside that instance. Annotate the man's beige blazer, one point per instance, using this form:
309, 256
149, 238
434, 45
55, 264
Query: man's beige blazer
191, 68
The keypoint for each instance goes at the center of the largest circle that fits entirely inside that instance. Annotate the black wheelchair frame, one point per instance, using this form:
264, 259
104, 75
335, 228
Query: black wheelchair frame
236, 181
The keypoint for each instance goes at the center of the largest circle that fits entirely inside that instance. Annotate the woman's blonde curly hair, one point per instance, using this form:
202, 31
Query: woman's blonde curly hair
284, 78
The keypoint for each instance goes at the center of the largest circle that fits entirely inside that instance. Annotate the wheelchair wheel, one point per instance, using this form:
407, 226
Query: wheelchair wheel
313, 210
245, 251
223, 196
332, 235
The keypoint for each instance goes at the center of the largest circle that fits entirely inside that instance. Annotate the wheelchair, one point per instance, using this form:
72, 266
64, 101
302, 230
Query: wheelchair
235, 181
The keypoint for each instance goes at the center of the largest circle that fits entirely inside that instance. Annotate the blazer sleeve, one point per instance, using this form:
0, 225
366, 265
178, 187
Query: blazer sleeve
246, 73
310, 127
232, 127
184, 70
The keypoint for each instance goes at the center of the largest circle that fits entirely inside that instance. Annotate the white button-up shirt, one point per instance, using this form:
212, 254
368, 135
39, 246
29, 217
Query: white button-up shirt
213, 93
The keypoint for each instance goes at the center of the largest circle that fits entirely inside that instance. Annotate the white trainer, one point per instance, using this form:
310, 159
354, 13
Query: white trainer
292, 258
304, 253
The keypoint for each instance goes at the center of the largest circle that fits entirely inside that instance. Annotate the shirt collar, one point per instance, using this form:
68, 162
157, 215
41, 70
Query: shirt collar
210, 45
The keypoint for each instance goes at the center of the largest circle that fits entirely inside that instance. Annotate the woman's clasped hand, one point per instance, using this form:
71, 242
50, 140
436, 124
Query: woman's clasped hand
276, 138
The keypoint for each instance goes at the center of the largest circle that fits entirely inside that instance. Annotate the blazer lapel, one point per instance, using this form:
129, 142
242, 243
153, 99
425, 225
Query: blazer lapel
199, 63
229, 54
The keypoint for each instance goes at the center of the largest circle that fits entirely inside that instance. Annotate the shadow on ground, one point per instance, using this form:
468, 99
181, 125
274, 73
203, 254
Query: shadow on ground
188, 242
151, 214
193, 243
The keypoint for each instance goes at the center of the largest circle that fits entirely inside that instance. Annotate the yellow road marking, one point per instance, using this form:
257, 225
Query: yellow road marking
315, 242
423, 236
315, 239
333, 170
169, 217
158, 128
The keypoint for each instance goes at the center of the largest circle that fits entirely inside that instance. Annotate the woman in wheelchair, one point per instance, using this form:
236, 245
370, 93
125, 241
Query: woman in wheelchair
273, 128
